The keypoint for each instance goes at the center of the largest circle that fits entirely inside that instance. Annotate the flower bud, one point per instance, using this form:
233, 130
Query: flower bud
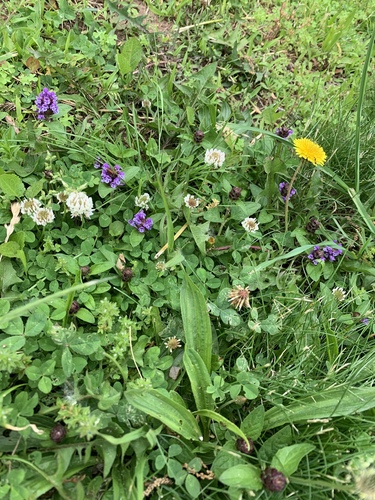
235, 193
198, 136
243, 447
312, 225
127, 274
85, 270
74, 308
273, 480
58, 433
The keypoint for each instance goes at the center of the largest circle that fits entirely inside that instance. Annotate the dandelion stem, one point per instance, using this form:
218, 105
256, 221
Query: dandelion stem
288, 194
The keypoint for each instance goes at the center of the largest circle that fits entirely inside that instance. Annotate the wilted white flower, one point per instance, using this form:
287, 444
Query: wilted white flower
339, 294
172, 343
29, 206
62, 196
214, 157
142, 201
239, 297
213, 204
250, 225
191, 202
80, 204
43, 216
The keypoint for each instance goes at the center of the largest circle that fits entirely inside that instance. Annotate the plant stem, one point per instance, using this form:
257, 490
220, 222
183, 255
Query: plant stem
288, 194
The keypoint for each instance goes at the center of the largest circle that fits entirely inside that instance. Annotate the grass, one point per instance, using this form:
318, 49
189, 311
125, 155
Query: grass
125, 371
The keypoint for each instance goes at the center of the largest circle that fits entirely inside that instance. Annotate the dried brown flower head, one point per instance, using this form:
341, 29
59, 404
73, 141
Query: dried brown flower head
239, 297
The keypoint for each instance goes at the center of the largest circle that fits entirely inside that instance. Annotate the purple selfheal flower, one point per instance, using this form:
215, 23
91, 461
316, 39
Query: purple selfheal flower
365, 321
140, 222
323, 254
46, 103
284, 132
112, 176
283, 188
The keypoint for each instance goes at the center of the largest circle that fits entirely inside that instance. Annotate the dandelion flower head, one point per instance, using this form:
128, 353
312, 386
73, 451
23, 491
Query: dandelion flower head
310, 151
214, 157
79, 203
250, 225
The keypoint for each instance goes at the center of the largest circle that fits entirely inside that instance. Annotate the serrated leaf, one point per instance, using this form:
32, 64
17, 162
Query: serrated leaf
242, 476
11, 185
288, 458
170, 413
130, 56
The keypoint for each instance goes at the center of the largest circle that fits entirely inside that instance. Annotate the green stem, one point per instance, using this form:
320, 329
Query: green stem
121, 370
288, 194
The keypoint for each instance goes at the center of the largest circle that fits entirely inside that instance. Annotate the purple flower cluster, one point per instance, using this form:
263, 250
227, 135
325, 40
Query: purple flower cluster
283, 188
140, 222
113, 176
284, 132
46, 103
324, 254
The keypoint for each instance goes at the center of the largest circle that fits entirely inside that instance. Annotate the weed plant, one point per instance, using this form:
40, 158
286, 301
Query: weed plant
186, 250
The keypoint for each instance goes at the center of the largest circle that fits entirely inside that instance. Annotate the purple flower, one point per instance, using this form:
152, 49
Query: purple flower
140, 222
46, 104
284, 132
322, 254
365, 321
283, 188
111, 175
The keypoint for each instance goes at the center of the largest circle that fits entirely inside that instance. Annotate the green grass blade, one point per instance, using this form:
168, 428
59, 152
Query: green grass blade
196, 321
222, 420
362, 88
170, 413
331, 403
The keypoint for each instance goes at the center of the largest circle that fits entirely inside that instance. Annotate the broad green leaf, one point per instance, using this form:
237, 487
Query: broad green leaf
252, 425
85, 344
281, 438
36, 322
85, 315
67, 362
329, 403
193, 486
13, 344
287, 459
130, 56
200, 232
109, 455
9, 249
196, 321
45, 385
11, 185
170, 413
199, 381
100, 268
242, 476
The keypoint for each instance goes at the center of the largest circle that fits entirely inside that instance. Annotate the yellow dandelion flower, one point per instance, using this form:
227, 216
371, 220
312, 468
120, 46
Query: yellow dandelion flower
310, 151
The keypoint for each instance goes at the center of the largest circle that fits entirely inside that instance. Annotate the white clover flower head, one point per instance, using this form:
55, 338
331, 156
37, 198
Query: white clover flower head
29, 206
191, 201
214, 157
250, 225
142, 201
172, 343
79, 204
43, 216
339, 294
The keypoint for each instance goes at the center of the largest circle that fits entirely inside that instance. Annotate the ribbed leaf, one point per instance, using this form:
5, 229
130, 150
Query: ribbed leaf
170, 413
224, 421
197, 326
330, 403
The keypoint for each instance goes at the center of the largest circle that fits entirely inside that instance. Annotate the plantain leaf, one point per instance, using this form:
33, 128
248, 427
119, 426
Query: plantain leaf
196, 321
172, 414
330, 403
224, 421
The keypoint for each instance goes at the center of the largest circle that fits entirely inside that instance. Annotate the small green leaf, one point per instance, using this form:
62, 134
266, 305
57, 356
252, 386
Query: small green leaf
242, 476
252, 426
130, 56
11, 185
45, 385
85, 315
287, 459
193, 486
67, 362
9, 249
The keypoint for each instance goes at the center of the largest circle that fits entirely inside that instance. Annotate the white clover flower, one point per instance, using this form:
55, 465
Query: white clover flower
250, 225
80, 204
339, 294
214, 157
191, 202
142, 201
43, 216
29, 206
62, 196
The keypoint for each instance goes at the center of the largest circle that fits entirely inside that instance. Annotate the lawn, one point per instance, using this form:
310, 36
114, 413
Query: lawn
187, 247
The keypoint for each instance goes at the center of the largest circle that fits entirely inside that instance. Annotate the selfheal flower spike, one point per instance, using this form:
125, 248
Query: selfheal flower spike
113, 176
46, 103
140, 222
